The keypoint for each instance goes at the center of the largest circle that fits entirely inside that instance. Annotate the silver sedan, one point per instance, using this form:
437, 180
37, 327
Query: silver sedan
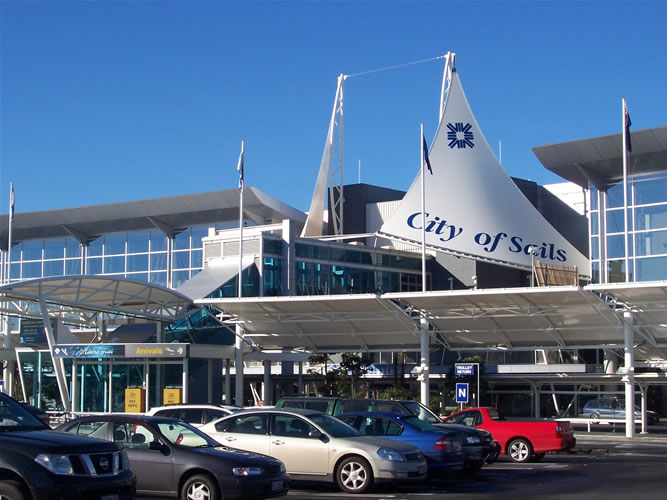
317, 447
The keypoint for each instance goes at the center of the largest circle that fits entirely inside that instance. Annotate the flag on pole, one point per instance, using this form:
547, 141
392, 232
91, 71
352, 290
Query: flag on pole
628, 124
11, 201
239, 168
428, 162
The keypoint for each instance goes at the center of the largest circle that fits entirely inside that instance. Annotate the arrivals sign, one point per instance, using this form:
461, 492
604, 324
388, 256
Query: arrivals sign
148, 350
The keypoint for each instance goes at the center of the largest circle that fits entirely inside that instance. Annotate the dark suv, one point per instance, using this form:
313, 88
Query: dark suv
39, 464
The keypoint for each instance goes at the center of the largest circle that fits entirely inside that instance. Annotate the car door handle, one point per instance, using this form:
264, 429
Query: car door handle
278, 441
229, 438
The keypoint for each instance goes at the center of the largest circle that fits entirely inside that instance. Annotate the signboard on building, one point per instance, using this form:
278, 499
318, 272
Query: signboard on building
464, 369
33, 332
172, 396
89, 351
156, 350
135, 400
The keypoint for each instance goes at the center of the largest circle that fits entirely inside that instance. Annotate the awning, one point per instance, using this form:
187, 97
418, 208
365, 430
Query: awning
563, 317
212, 277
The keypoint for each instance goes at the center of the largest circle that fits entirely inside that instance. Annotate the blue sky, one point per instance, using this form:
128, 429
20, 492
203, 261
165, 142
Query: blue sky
113, 101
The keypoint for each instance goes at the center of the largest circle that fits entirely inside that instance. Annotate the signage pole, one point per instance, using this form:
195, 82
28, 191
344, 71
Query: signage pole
424, 354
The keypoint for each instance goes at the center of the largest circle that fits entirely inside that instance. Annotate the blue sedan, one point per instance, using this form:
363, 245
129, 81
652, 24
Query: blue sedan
442, 448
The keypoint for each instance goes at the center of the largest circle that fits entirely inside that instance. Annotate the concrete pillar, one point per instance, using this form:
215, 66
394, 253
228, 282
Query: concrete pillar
629, 378
643, 390
300, 379
228, 382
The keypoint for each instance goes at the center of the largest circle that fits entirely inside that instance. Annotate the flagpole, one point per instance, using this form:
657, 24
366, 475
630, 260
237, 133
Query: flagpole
421, 142
238, 344
7, 371
625, 188
240, 168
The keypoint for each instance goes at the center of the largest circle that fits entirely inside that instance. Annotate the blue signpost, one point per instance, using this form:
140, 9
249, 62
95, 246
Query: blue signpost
466, 369
462, 393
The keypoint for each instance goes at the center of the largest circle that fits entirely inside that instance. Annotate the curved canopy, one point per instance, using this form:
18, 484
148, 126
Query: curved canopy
88, 296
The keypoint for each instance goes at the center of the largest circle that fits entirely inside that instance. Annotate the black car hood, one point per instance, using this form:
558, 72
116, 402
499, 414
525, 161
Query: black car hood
473, 431
53, 442
242, 457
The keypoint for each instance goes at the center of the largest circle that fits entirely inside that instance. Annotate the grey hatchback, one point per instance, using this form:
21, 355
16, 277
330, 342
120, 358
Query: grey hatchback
613, 408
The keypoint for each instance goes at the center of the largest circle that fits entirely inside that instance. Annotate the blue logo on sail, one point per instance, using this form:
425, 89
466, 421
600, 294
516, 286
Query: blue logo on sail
460, 135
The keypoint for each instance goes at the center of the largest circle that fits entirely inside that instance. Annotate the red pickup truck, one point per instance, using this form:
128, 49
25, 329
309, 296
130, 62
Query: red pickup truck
521, 440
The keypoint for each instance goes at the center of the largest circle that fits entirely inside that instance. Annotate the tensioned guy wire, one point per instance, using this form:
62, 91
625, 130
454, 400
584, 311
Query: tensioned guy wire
395, 66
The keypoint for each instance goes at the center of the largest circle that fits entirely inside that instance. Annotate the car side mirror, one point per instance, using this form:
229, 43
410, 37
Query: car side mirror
315, 434
158, 446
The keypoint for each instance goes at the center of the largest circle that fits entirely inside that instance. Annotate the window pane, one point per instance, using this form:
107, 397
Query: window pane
31, 270
182, 240
114, 244
138, 276
615, 221
651, 217
32, 250
158, 241
54, 248
114, 265
95, 247
615, 195
181, 260
197, 234
158, 261
650, 190
53, 268
72, 248
595, 247
653, 243
180, 277
159, 278
72, 267
137, 263
137, 242
197, 258
616, 246
652, 269
595, 224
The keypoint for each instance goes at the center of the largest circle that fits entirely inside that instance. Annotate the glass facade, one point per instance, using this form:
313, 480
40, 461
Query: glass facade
647, 230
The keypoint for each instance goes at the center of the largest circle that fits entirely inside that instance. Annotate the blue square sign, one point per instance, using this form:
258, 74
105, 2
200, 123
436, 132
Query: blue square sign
462, 393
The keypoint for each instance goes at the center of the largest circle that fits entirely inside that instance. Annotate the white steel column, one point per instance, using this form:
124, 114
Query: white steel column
228, 382
300, 379
629, 378
186, 377
58, 363
425, 361
238, 366
642, 391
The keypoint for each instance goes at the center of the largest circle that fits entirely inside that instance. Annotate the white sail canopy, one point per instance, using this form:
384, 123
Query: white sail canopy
473, 207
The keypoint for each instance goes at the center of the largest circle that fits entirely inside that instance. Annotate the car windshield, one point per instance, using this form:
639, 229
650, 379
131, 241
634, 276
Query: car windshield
419, 423
13, 417
185, 435
421, 412
333, 426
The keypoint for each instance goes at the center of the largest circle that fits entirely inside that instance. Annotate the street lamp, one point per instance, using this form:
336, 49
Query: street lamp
532, 250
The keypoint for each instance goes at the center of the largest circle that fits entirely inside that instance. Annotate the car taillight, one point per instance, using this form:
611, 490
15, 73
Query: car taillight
442, 444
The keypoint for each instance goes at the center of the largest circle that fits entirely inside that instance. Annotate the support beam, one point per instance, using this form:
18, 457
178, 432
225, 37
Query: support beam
629, 378
267, 382
58, 363
300, 379
228, 382
238, 362
425, 362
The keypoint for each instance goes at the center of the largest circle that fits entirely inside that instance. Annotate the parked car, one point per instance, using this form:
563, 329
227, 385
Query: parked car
479, 446
38, 412
39, 464
441, 448
172, 458
613, 408
194, 414
521, 440
318, 447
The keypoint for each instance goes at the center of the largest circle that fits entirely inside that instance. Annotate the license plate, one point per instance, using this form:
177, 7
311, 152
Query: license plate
110, 497
277, 485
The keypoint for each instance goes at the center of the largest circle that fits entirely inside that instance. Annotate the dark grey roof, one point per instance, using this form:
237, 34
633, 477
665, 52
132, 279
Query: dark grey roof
600, 159
169, 214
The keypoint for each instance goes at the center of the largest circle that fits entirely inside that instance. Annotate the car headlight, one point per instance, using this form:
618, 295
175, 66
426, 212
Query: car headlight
58, 464
247, 471
472, 440
391, 455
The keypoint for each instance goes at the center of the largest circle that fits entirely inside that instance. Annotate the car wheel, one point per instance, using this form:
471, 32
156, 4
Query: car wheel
595, 417
537, 457
199, 487
354, 475
520, 450
11, 490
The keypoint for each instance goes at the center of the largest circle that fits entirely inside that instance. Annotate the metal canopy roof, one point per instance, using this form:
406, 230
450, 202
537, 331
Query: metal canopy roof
94, 297
600, 159
498, 319
169, 215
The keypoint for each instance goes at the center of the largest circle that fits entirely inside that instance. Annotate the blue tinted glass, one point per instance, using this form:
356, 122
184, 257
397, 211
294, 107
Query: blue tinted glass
137, 241
179, 277
181, 260
197, 258
651, 190
53, 268
616, 271
616, 246
652, 243
595, 247
95, 247
652, 269
138, 276
137, 263
182, 240
197, 234
158, 261
114, 265
273, 246
32, 250
72, 267
72, 248
114, 244
158, 241
16, 252
337, 253
54, 249
595, 272
159, 278
594, 197
615, 221
15, 271
31, 270
595, 223
94, 265
615, 196
654, 217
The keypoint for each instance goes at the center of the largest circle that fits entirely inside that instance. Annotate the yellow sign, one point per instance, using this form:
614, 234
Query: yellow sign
135, 400
172, 396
